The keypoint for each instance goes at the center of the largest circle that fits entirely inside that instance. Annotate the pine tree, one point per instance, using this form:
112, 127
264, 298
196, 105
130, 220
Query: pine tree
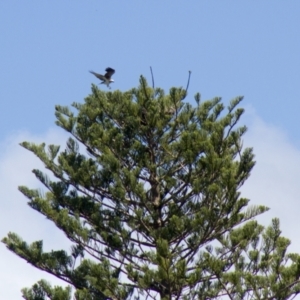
153, 206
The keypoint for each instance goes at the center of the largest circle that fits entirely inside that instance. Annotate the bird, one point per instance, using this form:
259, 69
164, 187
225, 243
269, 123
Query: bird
106, 78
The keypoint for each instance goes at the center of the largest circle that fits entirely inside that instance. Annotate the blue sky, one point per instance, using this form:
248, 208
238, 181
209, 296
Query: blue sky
232, 48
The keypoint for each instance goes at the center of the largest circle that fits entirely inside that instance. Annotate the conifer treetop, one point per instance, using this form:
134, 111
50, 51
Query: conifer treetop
147, 189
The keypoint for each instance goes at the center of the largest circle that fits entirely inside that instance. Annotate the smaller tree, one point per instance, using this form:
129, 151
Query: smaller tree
153, 208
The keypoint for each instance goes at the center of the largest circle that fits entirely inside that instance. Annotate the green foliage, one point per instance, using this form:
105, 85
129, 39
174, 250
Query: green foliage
43, 290
153, 206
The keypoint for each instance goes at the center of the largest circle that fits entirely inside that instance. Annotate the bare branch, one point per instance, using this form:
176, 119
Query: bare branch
153, 85
187, 86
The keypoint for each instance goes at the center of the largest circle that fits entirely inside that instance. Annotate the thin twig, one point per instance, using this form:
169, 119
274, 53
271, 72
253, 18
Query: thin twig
188, 83
187, 86
152, 78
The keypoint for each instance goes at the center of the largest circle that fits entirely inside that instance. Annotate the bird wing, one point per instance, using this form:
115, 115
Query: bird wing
101, 77
109, 72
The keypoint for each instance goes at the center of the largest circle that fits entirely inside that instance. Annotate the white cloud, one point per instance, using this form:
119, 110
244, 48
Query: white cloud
16, 164
274, 183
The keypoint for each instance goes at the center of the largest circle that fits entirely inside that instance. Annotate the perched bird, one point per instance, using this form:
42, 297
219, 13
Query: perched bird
106, 78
